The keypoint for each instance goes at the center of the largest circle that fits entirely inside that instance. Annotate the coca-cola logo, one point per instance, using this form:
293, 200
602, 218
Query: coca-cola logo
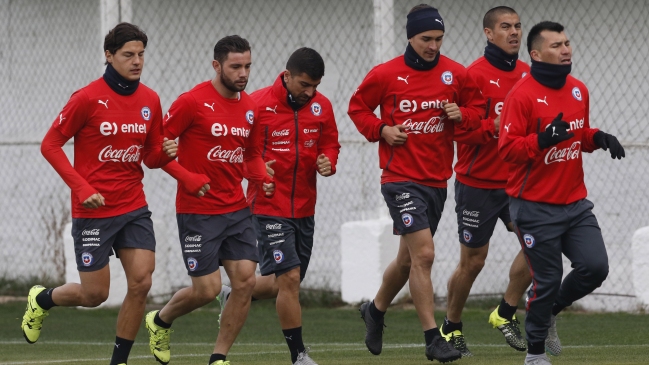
274, 226
231, 156
130, 154
432, 125
196, 238
90, 232
402, 196
281, 133
564, 154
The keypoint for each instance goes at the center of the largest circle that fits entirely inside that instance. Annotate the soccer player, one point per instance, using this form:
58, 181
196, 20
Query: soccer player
300, 137
480, 183
422, 97
116, 122
214, 122
545, 127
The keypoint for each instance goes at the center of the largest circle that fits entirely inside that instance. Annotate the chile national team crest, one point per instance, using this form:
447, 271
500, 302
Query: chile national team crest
146, 113
467, 236
529, 240
192, 264
87, 259
447, 77
576, 93
250, 116
407, 219
316, 109
278, 256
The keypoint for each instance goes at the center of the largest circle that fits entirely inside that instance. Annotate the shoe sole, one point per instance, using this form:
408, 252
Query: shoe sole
445, 360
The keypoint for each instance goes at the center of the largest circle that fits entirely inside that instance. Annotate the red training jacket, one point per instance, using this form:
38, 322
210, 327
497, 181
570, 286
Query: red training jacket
554, 175
478, 164
294, 139
414, 98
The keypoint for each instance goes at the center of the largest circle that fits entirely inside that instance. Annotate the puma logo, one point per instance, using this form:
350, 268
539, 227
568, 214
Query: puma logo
272, 109
509, 62
168, 116
554, 134
399, 78
209, 106
507, 127
543, 100
495, 82
290, 338
440, 21
61, 117
104, 103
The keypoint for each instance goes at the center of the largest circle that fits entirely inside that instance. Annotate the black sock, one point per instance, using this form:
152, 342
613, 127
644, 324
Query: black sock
252, 299
556, 308
376, 314
293, 339
430, 335
216, 357
121, 351
449, 326
159, 322
44, 299
506, 311
536, 348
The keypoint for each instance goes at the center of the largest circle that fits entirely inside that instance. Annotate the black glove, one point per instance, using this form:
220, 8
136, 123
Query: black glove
554, 133
608, 141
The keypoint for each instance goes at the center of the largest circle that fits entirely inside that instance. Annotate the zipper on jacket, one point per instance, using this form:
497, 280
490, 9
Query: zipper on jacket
297, 160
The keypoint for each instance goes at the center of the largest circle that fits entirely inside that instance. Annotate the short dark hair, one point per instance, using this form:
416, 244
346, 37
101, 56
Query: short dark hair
308, 61
122, 33
491, 16
534, 37
419, 7
230, 44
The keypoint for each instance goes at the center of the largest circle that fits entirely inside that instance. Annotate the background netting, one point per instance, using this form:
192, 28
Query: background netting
49, 49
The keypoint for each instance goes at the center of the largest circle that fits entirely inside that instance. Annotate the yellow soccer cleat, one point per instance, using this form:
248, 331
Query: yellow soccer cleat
158, 339
220, 362
456, 339
509, 329
34, 316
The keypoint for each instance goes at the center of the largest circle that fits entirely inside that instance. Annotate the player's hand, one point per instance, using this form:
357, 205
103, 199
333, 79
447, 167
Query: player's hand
452, 111
268, 186
324, 165
497, 124
608, 141
395, 135
554, 133
170, 147
269, 170
203, 190
94, 201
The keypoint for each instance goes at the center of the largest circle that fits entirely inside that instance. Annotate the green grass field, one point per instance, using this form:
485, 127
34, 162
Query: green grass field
79, 336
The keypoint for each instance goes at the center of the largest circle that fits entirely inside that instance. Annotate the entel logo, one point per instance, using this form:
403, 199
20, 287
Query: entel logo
561, 155
307, 131
408, 106
498, 108
219, 130
108, 128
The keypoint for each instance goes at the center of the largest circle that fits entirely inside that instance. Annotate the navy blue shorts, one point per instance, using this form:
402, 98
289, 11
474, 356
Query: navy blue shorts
478, 211
413, 207
284, 244
208, 239
95, 239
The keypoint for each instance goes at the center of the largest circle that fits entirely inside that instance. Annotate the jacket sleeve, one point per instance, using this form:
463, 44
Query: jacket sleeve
471, 103
587, 141
254, 166
153, 156
479, 136
189, 181
328, 144
362, 105
515, 145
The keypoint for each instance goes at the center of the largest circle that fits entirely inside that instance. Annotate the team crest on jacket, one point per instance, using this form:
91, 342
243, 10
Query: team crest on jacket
146, 113
87, 259
407, 219
316, 109
576, 93
529, 240
250, 116
447, 77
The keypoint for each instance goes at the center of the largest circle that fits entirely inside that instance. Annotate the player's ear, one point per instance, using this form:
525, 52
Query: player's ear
216, 66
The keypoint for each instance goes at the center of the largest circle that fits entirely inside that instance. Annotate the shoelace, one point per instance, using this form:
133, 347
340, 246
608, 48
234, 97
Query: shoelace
460, 342
162, 337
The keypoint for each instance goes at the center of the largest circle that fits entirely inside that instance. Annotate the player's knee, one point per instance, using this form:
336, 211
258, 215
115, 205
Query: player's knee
95, 298
139, 286
598, 272
425, 257
244, 284
474, 265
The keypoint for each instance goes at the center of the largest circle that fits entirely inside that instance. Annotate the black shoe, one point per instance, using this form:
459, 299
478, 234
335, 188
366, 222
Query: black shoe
373, 330
442, 351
